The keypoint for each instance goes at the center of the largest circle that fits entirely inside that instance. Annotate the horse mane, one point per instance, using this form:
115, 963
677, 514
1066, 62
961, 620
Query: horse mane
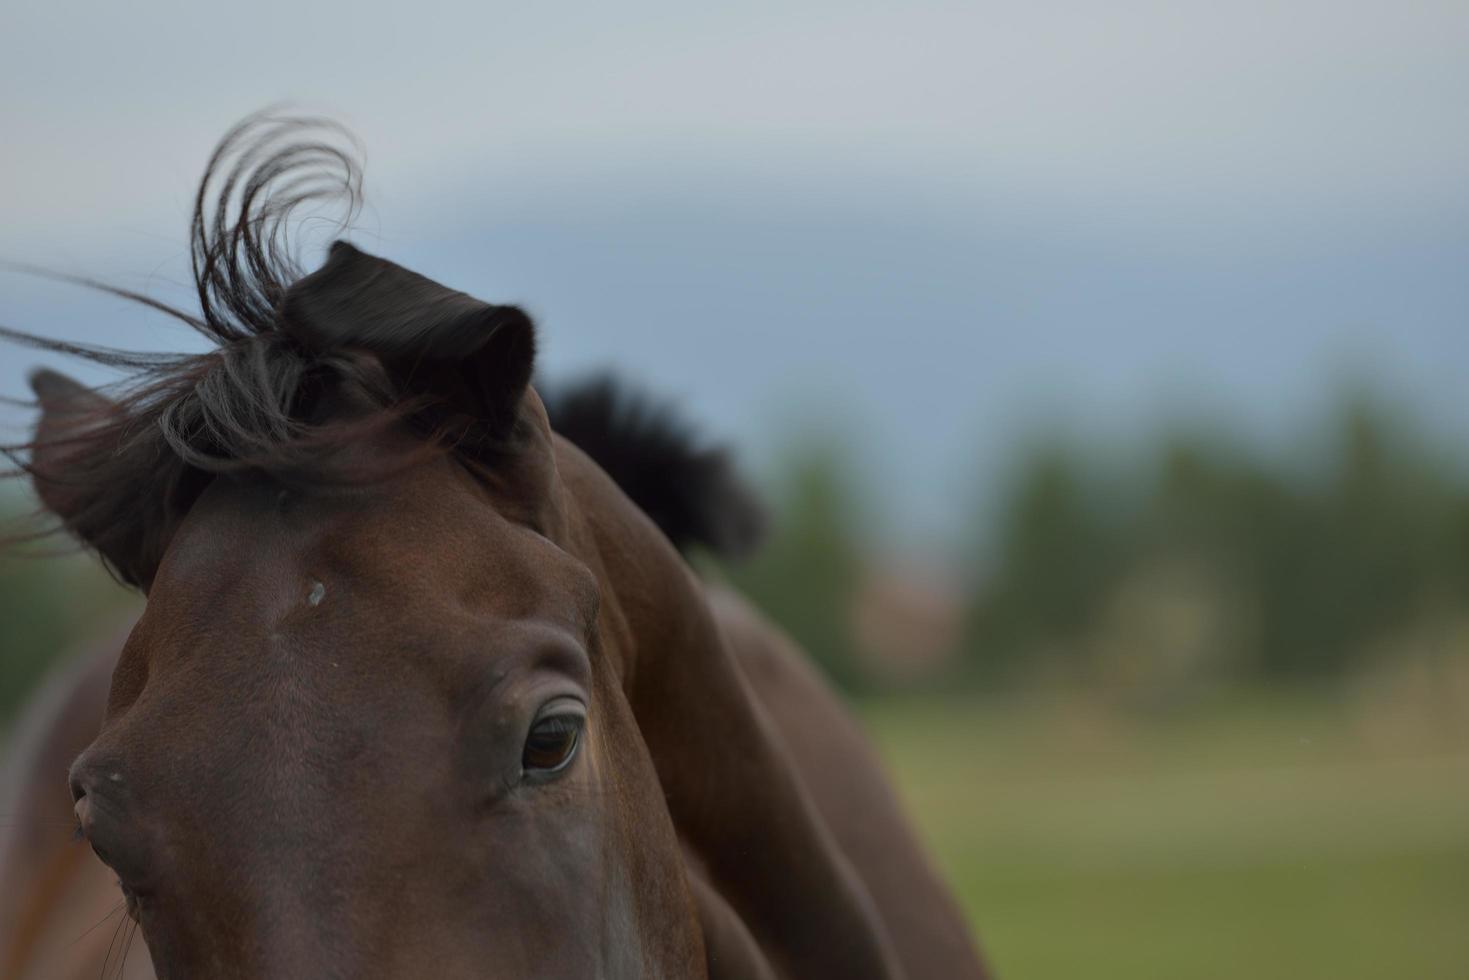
691, 491
254, 402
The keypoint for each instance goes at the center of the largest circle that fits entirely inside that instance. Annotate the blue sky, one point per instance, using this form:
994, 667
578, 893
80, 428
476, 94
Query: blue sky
937, 226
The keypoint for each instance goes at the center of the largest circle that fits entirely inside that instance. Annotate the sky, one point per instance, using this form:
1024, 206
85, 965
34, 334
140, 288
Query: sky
922, 230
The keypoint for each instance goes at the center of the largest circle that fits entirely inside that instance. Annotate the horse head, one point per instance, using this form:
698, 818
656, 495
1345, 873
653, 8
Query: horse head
418, 690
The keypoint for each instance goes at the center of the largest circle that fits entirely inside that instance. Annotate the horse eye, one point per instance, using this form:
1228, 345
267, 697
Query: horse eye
551, 744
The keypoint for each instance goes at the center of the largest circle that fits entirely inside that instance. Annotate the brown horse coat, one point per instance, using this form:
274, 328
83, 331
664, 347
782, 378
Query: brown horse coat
419, 690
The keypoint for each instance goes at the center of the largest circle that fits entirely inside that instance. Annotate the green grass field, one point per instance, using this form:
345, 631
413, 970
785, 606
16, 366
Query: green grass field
1262, 840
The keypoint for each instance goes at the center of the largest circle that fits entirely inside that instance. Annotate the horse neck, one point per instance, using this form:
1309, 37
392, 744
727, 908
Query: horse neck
731, 790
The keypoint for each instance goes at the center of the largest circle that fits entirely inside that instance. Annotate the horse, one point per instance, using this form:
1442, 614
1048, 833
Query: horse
425, 683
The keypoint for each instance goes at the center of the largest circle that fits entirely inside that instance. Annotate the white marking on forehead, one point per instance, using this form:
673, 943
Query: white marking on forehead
317, 593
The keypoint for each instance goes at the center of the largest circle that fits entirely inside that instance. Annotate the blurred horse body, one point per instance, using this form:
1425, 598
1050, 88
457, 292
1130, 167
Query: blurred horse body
62, 917
423, 686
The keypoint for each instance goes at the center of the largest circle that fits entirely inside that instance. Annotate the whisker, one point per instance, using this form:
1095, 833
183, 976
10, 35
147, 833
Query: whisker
127, 947
93, 928
111, 943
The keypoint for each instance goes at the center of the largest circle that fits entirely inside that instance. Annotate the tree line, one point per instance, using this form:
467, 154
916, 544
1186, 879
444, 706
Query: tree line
1195, 562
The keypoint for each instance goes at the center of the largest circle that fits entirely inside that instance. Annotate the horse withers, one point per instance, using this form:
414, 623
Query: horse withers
419, 690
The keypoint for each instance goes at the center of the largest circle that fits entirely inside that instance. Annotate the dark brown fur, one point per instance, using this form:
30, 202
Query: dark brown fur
370, 564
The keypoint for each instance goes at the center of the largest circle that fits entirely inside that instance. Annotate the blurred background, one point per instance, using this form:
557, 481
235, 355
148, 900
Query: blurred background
1103, 366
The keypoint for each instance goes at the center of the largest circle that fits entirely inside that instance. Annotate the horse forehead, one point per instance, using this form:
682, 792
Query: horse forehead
258, 554
258, 529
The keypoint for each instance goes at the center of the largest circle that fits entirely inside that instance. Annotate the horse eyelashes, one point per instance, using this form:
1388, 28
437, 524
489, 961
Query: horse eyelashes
551, 743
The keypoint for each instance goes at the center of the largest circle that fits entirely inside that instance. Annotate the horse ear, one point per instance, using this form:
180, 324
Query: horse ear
74, 458
71, 415
464, 362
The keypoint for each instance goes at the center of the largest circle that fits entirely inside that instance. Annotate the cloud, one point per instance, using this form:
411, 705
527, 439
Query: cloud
1155, 104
